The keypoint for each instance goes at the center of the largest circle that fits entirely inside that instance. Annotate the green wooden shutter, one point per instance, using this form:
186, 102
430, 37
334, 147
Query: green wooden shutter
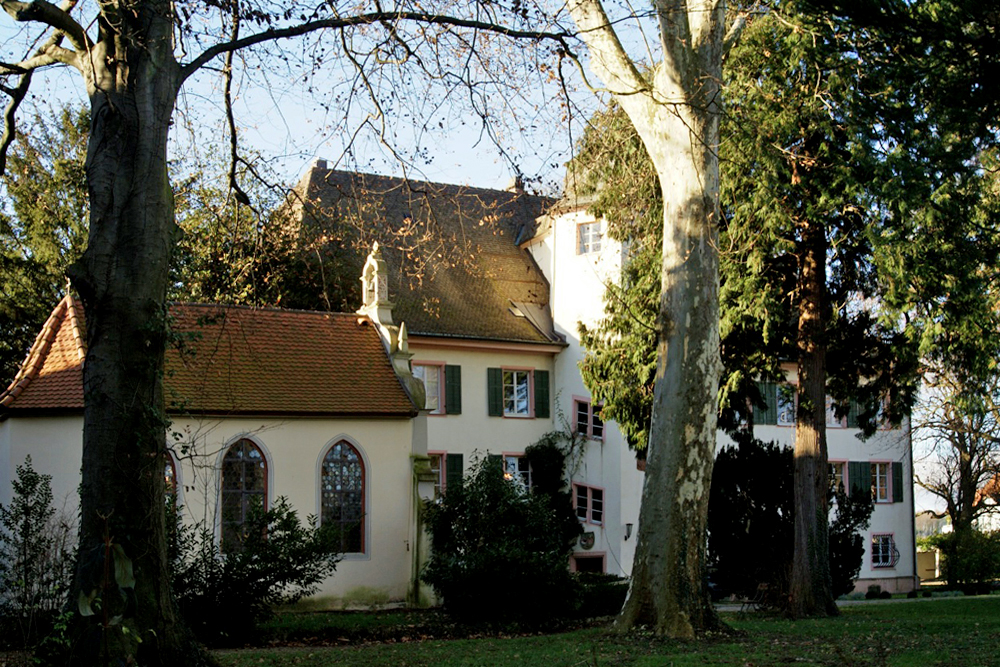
542, 394
453, 390
859, 477
494, 392
453, 471
897, 482
769, 391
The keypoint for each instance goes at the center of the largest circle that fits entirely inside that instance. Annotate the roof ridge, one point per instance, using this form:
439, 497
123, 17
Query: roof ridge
39, 351
406, 180
251, 308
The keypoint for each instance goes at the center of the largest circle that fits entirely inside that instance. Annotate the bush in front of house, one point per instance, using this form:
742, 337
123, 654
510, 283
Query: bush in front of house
224, 596
751, 525
500, 552
36, 560
601, 594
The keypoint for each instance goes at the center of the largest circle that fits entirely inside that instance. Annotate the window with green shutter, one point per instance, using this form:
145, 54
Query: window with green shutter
859, 477
453, 471
509, 392
769, 415
453, 390
494, 392
542, 394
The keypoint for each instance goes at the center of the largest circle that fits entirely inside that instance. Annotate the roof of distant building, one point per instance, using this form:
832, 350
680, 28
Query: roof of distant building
456, 269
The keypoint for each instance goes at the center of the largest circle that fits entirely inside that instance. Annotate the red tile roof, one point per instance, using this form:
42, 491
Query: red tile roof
52, 374
233, 360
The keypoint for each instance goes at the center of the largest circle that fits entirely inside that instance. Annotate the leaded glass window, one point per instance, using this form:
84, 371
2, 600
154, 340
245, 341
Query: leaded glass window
343, 495
244, 486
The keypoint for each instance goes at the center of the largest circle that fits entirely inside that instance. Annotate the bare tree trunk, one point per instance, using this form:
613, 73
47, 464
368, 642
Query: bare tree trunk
668, 590
122, 616
811, 589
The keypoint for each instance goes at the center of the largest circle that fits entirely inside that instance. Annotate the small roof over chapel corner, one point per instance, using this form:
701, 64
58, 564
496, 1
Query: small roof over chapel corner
455, 265
230, 360
51, 376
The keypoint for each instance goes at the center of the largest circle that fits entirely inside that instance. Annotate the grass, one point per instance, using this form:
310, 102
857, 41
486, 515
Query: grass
956, 632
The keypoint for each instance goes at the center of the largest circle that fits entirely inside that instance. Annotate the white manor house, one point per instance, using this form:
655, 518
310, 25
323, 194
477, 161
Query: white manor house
324, 409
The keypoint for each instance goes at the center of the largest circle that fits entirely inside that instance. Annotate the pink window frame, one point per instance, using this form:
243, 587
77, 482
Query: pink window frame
530, 370
441, 411
888, 484
517, 455
846, 481
443, 472
590, 417
590, 503
892, 558
588, 555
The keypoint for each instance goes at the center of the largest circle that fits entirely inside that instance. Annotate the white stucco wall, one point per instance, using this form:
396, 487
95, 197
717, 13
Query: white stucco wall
578, 284
55, 445
577, 288
474, 433
886, 445
294, 448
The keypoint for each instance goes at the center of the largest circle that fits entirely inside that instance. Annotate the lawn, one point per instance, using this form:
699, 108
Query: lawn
954, 632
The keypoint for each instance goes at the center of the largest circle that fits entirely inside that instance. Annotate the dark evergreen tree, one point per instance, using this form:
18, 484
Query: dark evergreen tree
751, 523
42, 230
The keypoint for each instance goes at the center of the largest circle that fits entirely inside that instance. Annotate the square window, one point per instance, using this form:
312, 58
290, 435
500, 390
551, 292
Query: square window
588, 237
517, 393
430, 375
884, 552
517, 469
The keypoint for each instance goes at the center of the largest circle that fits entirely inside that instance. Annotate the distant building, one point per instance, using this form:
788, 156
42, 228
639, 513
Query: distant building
465, 344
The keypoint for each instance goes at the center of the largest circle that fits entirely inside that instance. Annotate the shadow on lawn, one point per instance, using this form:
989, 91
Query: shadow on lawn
340, 628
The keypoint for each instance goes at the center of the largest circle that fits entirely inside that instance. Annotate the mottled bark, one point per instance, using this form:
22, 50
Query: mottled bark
674, 108
668, 591
810, 589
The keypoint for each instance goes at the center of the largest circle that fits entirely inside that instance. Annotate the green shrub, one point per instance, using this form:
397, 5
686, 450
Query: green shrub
36, 559
601, 594
223, 597
751, 523
499, 552
971, 559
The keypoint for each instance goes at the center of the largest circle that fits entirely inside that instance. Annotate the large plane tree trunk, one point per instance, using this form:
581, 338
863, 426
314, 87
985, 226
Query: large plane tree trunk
674, 108
668, 591
123, 609
811, 588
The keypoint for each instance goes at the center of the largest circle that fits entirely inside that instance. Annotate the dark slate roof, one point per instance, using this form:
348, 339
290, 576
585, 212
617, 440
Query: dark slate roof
232, 361
456, 268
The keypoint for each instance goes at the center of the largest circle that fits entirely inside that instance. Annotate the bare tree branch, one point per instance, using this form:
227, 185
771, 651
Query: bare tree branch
9, 128
55, 17
561, 38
